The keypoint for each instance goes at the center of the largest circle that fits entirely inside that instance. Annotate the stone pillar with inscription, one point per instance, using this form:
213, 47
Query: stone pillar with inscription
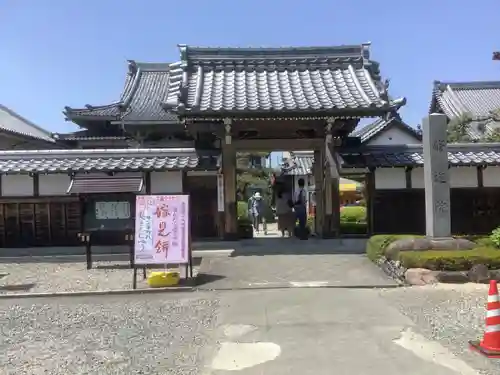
436, 176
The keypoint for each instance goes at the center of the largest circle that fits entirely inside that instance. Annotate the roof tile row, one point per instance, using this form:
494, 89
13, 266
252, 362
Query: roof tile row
401, 156
54, 161
249, 80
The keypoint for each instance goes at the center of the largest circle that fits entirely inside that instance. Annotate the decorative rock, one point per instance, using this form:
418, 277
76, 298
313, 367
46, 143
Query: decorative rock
420, 244
495, 275
431, 277
479, 273
452, 277
415, 276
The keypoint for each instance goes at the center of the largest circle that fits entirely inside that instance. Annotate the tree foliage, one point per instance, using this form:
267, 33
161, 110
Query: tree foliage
458, 129
247, 177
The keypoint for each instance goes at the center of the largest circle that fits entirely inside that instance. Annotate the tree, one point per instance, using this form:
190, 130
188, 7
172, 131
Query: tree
458, 129
493, 136
247, 177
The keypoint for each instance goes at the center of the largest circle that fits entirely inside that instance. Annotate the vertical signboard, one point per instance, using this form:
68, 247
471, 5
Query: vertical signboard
162, 229
220, 193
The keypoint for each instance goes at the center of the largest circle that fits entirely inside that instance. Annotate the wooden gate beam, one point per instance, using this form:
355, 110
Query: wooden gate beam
277, 144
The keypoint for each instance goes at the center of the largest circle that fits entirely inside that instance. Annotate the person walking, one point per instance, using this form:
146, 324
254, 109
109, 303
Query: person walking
256, 208
284, 211
301, 210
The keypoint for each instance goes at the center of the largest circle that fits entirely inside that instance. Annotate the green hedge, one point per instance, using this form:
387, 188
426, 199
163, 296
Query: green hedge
353, 214
376, 245
242, 209
353, 228
445, 260
453, 260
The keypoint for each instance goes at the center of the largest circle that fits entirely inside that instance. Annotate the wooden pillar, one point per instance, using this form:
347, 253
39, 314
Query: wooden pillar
370, 199
318, 181
221, 218
229, 176
331, 226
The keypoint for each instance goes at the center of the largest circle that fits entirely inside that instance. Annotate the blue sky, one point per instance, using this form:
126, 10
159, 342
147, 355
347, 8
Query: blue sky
58, 52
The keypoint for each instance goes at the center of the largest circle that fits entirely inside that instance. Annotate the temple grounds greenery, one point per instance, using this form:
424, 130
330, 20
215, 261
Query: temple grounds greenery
487, 252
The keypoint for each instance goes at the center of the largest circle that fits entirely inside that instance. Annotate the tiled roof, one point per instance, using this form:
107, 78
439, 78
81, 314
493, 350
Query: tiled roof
147, 87
375, 128
106, 160
474, 99
85, 135
11, 122
112, 184
317, 81
301, 165
466, 154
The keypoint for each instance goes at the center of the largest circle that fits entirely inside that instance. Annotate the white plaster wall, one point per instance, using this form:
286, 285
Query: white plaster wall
54, 184
166, 182
491, 176
17, 185
417, 178
390, 178
460, 177
393, 136
463, 177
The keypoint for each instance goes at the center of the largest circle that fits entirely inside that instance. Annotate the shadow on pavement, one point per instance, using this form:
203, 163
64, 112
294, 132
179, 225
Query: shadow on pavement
196, 262
206, 278
294, 246
17, 287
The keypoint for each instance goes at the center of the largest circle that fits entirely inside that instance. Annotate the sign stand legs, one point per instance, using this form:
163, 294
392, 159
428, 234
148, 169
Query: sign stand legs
134, 280
189, 268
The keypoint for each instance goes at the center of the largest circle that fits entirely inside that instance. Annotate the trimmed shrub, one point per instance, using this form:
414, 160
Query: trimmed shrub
242, 209
455, 260
495, 237
376, 245
353, 214
245, 227
484, 242
353, 228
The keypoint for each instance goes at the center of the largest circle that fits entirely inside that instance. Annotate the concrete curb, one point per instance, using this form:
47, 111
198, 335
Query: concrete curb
185, 289
78, 258
175, 289
285, 286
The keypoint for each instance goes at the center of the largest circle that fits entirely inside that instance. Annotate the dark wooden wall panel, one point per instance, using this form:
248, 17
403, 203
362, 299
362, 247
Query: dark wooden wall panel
473, 211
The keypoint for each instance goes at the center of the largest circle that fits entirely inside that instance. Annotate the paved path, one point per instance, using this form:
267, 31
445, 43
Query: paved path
323, 331
251, 332
268, 263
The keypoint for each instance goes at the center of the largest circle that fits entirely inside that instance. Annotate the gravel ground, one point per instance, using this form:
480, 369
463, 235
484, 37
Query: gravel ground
140, 334
68, 277
450, 314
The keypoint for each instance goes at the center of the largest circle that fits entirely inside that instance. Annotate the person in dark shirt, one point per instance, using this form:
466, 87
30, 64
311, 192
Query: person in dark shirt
300, 209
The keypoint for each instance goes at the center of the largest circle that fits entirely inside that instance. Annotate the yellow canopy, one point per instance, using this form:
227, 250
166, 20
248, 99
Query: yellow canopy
348, 185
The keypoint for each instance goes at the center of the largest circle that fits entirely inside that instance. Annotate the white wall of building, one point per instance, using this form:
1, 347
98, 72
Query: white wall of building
17, 185
460, 177
21, 185
54, 184
393, 136
167, 182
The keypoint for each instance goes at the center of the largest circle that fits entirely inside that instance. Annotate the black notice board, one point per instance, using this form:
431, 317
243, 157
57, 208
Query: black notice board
100, 212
